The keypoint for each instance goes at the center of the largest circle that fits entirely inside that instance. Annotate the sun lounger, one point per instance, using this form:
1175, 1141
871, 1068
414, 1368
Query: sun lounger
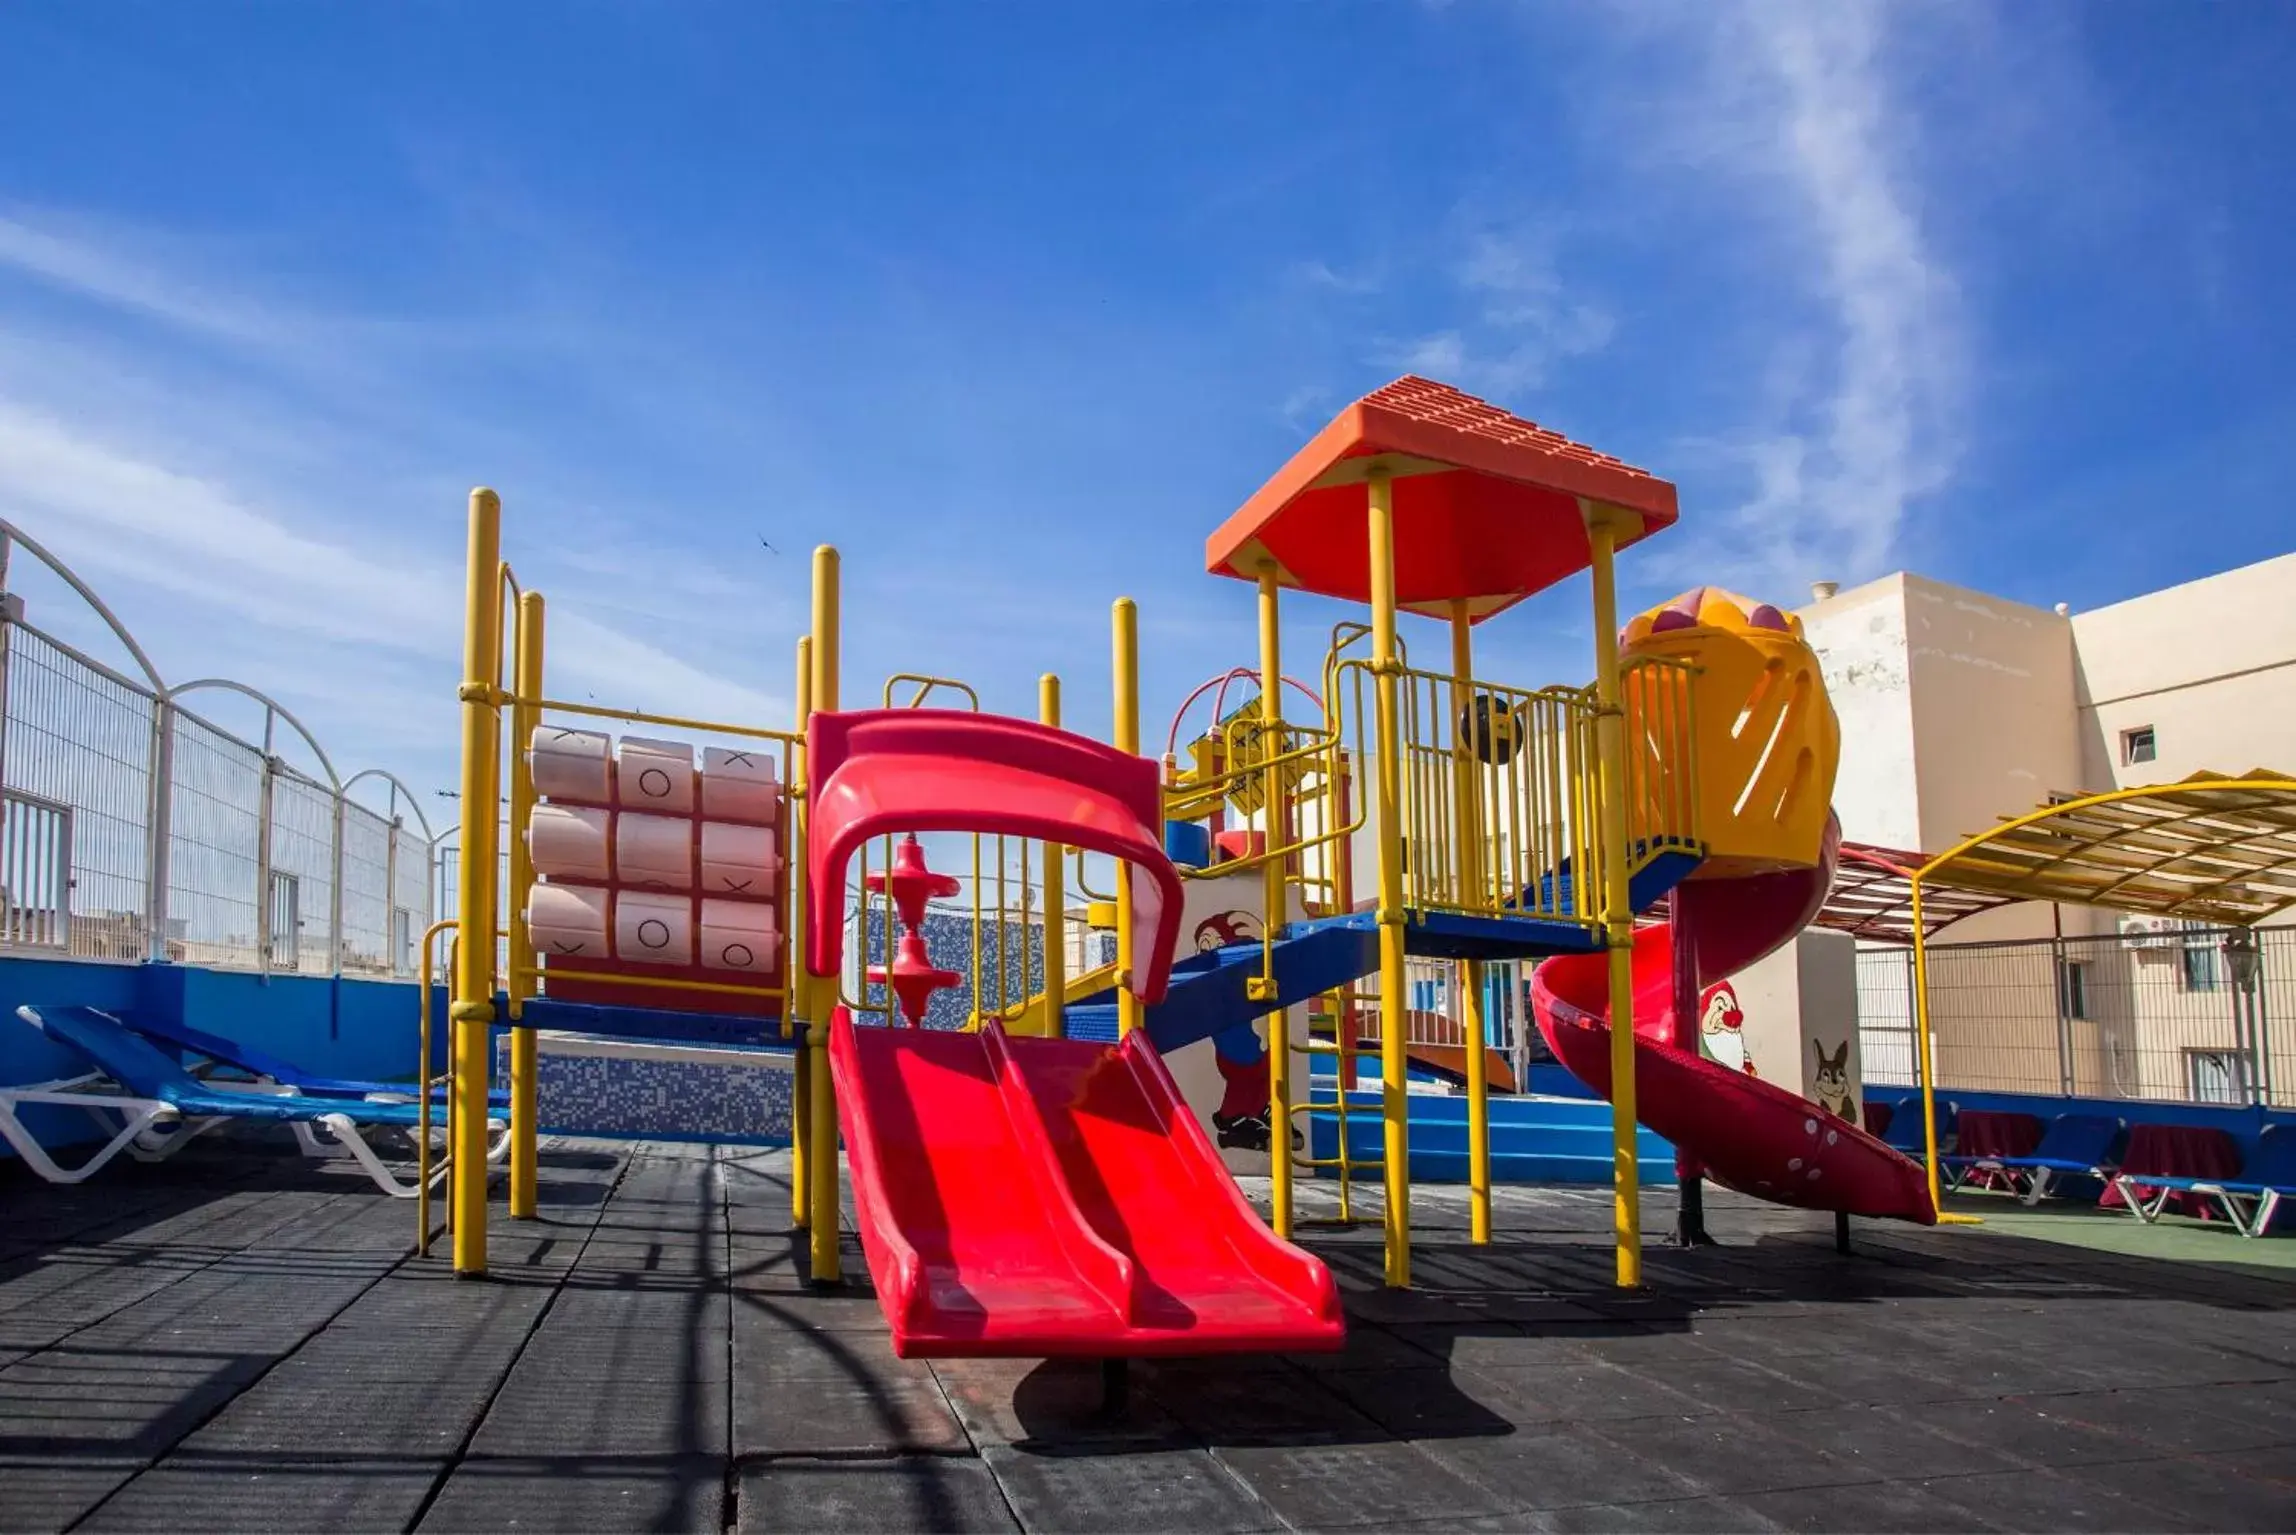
152, 1106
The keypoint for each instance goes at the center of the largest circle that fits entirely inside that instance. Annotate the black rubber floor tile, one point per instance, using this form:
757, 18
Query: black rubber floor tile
1263, 1407
1583, 1393
860, 1415
769, 1347
1417, 1403
1886, 1442
603, 1309
2180, 1420
69, 1403
538, 1416
866, 1497
1368, 1347
1728, 1386
50, 1491
1332, 1486
251, 1493
2049, 1501
1666, 1514
1727, 1457
2217, 1492
440, 1304
2026, 1433
1048, 1403
297, 1412
1183, 1490
1885, 1508
607, 1493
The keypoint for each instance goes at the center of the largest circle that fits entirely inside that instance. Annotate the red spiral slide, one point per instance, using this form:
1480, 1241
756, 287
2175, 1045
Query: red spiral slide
1036, 1197
1752, 1135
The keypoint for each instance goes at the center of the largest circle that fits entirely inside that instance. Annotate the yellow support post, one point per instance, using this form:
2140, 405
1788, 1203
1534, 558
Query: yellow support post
1617, 906
1922, 1056
1467, 805
470, 1009
1055, 892
821, 993
792, 1000
1275, 815
1124, 626
525, 1132
1394, 1002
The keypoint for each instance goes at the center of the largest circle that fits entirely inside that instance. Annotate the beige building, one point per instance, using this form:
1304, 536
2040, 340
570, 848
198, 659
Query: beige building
1959, 708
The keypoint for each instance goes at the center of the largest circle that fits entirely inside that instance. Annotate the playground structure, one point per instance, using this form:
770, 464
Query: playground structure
650, 899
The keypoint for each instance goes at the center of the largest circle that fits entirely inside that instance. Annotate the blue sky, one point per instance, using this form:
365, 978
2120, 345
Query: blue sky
1014, 302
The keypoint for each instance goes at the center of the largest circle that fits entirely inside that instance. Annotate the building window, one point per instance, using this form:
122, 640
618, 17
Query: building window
2073, 987
2137, 745
2196, 961
2218, 1076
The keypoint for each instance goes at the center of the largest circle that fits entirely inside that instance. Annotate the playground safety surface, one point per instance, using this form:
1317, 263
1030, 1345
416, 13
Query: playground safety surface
238, 1339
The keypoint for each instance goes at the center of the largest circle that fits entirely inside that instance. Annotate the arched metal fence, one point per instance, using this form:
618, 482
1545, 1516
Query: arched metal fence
133, 828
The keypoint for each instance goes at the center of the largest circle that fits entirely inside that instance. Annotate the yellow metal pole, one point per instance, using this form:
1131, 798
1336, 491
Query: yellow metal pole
1394, 1103
1275, 816
821, 992
1921, 1049
470, 1009
1055, 891
525, 1122
1124, 625
1617, 907
1469, 819
792, 980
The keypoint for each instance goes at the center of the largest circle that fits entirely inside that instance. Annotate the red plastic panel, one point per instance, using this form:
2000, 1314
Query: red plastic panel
1043, 1198
879, 772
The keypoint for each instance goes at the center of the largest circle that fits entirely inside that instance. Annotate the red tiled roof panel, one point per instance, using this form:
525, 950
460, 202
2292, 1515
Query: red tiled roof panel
1501, 523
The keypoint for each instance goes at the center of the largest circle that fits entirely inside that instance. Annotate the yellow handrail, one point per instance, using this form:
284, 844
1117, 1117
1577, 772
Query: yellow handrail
426, 1083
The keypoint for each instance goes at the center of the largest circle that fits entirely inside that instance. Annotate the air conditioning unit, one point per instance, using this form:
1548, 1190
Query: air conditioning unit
2143, 933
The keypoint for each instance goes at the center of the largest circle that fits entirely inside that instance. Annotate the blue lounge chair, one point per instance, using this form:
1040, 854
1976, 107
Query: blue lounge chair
2074, 1146
159, 1106
1908, 1133
2248, 1201
213, 1054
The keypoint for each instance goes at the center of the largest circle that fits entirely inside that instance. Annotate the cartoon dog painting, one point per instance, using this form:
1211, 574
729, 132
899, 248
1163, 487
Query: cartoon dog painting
1832, 1081
1240, 1123
1720, 1025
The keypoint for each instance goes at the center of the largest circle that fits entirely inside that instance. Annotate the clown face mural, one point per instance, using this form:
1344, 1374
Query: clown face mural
1720, 1021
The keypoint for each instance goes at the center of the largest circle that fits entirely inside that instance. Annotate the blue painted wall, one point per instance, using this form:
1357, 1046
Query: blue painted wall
335, 1027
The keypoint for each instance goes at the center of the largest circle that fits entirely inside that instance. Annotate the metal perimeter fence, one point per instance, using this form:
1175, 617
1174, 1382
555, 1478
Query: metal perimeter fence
133, 829
2194, 1014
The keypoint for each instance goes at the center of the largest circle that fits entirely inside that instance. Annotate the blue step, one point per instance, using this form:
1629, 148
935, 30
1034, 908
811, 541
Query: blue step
1532, 1140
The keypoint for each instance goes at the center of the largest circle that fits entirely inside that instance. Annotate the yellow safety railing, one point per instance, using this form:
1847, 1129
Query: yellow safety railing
1520, 764
426, 1167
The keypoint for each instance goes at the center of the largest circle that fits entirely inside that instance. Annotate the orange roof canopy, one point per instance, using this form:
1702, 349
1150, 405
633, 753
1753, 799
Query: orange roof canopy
1487, 504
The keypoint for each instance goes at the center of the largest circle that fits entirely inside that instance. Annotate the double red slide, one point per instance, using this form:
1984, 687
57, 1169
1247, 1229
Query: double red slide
1036, 1197
1754, 1136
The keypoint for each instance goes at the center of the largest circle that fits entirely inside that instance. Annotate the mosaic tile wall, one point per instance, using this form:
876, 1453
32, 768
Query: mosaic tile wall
640, 1095
624, 1095
949, 941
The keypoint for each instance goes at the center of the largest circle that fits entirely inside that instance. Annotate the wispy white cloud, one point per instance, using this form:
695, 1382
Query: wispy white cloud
328, 575
1796, 110
1521, 318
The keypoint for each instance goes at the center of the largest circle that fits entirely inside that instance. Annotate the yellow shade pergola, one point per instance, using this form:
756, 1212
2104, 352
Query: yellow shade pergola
2212, 848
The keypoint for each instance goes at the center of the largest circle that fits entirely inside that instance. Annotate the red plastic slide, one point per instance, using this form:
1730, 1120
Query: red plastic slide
1752, 1135
1050, 1197
1035, 1197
